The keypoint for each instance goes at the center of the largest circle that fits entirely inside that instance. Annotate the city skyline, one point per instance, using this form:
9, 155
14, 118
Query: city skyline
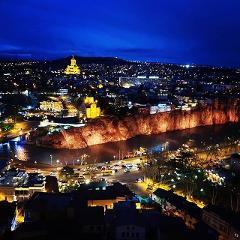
171, 32
119, 120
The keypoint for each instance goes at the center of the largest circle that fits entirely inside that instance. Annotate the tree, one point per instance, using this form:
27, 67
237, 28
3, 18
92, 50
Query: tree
51, 184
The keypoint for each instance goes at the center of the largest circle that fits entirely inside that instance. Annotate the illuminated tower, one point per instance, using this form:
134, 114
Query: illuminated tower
92, 111
73, 68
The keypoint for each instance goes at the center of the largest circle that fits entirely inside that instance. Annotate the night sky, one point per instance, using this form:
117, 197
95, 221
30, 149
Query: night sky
178, 31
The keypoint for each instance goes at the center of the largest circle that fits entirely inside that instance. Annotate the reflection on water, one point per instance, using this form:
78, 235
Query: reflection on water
110, 151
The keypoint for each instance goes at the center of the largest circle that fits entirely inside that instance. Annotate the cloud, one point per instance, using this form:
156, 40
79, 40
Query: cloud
181, 31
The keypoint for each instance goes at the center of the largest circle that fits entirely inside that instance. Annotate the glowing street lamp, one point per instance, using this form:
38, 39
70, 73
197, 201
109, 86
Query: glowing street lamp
51, 159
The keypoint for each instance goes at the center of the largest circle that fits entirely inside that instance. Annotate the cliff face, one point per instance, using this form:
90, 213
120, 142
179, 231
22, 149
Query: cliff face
105, 130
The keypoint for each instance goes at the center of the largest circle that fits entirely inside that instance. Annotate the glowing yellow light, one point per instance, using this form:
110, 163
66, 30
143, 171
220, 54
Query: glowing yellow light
138, 205
73, 67
92, 111
87, 181
19, 216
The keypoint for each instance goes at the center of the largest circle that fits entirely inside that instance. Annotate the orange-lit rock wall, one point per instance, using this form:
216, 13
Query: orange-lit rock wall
107, 129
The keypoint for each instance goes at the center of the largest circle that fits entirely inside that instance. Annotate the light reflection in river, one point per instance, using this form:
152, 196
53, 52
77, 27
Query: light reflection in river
109, 151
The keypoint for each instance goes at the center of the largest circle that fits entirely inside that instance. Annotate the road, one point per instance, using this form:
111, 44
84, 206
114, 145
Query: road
130, 178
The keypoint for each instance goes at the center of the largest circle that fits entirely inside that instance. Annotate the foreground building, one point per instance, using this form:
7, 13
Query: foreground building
226, 223
125, 221
7, 213
65, 216
19, 185
175, 205
105, 197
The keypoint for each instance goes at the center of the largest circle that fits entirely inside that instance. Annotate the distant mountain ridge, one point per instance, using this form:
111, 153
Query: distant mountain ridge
64, 61
103, 60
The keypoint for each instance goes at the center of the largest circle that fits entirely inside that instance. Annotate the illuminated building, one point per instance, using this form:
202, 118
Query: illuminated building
162, 107
92, 111
178, 206
51, 106
89, 100
73, 68
128, 82
63, 91
100, 85
106, 203
72, 111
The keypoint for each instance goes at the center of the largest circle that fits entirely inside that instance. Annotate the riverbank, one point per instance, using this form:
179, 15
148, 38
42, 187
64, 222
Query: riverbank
199, 137
20, 129
106, 129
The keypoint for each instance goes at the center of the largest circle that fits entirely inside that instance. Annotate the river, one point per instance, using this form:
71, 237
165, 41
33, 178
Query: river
111, 151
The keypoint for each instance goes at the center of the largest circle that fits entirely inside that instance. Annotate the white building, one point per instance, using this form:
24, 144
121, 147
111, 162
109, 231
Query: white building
162, 107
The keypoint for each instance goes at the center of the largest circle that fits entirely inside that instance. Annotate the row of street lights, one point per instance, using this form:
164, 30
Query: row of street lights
79, 161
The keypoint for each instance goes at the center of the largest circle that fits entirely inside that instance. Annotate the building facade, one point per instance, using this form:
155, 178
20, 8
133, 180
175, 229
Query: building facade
73, 68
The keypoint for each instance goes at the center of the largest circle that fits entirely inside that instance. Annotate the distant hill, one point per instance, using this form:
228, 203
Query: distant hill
14, 58
62, 62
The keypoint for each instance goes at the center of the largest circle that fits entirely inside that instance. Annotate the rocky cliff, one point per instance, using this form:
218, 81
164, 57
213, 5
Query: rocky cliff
107, 129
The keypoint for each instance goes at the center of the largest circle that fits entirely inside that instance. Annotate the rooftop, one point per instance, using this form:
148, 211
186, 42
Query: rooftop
20, 178
229, 216
179, 202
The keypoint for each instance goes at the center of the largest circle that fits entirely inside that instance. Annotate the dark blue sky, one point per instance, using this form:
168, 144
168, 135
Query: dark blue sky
182, 31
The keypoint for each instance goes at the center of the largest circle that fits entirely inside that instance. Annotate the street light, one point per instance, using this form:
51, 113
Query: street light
50, 159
